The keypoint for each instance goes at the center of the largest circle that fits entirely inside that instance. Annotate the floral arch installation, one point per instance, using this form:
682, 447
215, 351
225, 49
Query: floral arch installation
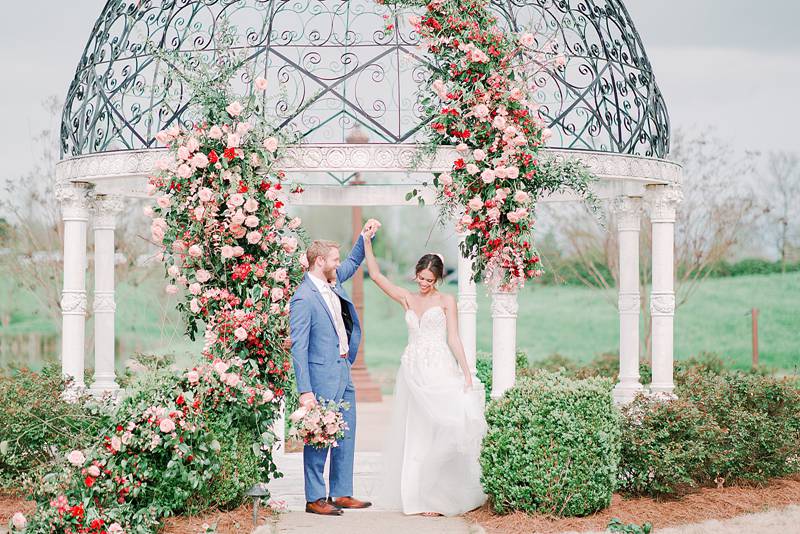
332, 66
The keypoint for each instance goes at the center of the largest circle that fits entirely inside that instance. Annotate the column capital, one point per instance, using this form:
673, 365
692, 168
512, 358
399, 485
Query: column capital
75, 199
106, 208
628, 211
662, 202
504, 304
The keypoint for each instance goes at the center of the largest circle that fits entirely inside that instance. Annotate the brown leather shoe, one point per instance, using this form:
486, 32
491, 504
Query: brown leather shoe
322, 507
349, 502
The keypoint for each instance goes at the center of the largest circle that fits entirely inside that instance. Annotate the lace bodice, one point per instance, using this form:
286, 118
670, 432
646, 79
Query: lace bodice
427, 340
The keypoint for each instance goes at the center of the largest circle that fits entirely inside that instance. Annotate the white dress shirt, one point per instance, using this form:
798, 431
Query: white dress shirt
335, 307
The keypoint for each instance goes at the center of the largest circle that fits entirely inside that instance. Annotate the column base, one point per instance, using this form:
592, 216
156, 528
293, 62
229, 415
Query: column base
625, 393
367, 390
99, 389
663, 389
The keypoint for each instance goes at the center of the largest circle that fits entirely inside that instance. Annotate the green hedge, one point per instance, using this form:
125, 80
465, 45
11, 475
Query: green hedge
484, 368
723, 428
552, 446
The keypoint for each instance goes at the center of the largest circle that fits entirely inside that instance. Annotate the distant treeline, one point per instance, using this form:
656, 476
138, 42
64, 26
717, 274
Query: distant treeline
574, 273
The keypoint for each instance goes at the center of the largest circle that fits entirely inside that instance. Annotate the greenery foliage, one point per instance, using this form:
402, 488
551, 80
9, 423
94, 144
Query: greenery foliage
552, 446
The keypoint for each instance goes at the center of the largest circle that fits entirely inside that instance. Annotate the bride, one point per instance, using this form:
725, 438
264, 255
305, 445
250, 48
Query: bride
431, 457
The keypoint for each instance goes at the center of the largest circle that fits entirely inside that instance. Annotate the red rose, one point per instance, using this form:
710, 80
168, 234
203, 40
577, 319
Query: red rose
459, 163
180, 401
229, 153
89, 481
212, 157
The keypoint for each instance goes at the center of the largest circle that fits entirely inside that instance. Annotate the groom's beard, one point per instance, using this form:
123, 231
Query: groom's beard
330, 275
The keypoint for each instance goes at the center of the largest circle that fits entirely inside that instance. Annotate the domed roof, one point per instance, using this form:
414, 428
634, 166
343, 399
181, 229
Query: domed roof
331, 67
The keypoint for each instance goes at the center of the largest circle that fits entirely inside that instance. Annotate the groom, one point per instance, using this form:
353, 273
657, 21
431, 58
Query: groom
325, 335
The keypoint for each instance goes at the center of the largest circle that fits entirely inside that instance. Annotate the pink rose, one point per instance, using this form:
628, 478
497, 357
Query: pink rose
202, 276
268, 395
234, 109
240, 334
232, 380
494, 214
234, 140
261, 83
238, 232
521, 197
289, 244
193, 377
445, 179
295, 223
199, 161
527, 40
500, 172
163, 202
280, 275
238, 251
488, 176
512, 172
475, 204
194, 289
547, 133
298, 414
481, 111
215, 132
184, 171
276, 294
166, 425
193, 144
198, 212
94, 471
220, 367
194, 306
462, 147
254, 237
472, 168
174, 271
116, 443
271, 144
236, 200
163, 137
148, 211
19, 521
157, 233
171, 289
183, 153
227, 252
479, 154
205, 194
251, 205
76, 458
303, 261
195, 251
251, 221
499, 122
115, 528
238, 218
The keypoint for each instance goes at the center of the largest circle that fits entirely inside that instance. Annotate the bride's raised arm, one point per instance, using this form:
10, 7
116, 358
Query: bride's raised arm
395, 292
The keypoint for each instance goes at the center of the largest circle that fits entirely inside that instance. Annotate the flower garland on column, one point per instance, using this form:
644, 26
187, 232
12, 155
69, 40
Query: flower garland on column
479, 99
230, 246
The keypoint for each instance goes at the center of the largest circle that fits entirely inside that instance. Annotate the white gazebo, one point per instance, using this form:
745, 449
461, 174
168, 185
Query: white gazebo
332, 69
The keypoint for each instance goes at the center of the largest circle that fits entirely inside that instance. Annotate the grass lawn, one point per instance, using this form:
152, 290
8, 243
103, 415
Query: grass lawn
581, 323
577, 322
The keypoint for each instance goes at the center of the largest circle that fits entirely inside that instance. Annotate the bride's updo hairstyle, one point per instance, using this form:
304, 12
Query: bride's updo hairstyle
433, 263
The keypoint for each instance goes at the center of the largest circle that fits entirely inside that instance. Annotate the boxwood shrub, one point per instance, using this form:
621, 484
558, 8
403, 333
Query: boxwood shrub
552, 446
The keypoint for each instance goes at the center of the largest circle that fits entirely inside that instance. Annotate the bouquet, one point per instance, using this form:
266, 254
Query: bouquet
320, 426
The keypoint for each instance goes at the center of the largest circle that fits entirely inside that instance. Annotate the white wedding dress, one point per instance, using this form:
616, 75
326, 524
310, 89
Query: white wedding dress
431, 457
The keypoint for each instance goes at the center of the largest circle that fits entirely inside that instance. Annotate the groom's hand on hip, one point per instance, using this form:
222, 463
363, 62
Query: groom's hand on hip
307, 399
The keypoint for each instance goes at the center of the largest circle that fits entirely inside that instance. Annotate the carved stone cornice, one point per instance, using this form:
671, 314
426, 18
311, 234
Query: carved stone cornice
628, 212
132, 167
662, 202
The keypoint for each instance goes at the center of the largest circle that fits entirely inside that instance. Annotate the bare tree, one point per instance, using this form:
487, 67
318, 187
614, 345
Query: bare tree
718, 213
783, 188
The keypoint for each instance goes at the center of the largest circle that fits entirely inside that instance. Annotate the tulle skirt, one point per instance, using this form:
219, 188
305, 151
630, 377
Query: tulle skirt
431, 457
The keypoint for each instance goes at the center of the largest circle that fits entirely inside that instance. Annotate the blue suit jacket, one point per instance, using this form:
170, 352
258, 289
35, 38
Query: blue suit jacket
315, 343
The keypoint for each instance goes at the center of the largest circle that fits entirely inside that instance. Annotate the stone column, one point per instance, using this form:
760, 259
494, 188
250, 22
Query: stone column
467, 309
74, 199
106, 210
504, 341
662, 202
628, 215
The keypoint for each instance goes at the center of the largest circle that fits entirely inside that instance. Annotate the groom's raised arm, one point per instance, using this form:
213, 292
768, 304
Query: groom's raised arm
300, 328
348, 268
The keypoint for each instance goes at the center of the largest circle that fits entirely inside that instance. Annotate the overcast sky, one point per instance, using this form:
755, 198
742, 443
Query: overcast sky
730, 64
